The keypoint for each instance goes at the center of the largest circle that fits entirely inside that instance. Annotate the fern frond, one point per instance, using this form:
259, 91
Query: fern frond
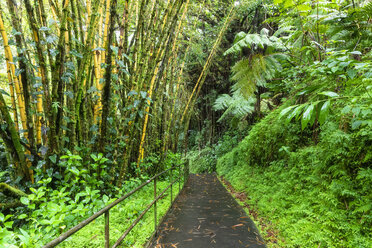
243, 40
236, 105
222, 102
244, 77
367, 9
253, 71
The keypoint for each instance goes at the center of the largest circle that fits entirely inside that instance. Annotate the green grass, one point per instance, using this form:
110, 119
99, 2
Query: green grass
316, 194
122, 216
307, 214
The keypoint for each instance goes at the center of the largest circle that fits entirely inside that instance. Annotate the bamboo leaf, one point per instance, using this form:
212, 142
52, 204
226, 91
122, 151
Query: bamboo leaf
115, 49
351, 73
4, 92
356, 53
98, 49
132, 93
76, 54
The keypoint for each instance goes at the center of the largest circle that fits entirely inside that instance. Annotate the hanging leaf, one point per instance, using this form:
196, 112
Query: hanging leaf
294, 113
43, 29
143, 94
53, 158
132, 93
351, 73
50, 39
313, 115
127, 57
324, 112
356, 53
329, 93
24, 200
286, 110
74, 170
76, 54
98, 49
306, 116
4, 92
115, 49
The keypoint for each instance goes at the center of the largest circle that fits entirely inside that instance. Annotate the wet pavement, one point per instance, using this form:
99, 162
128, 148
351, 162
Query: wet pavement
206, 215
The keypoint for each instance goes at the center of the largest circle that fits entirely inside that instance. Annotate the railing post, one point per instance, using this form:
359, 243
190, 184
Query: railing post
179, 178
155, 220
107, 229
171, 178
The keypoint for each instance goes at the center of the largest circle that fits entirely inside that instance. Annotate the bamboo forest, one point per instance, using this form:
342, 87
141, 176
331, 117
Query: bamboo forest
186, 123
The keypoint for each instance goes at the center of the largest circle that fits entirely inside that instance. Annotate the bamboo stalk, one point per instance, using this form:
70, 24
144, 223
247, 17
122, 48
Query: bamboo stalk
12, 96
100, 58
14, 141
89, 6
175, 53
10, 64
47, 103
202, 75
84, 65
159, 54
106, 97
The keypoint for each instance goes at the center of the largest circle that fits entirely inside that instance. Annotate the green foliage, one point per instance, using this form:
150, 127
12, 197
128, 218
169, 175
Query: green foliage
265, 137
3, 159
54, 207
204, 160
305, 166
316, 194
339, 71
6, 235
50, 211
254, 41
236, 106
201, 161
256, 69
122, 216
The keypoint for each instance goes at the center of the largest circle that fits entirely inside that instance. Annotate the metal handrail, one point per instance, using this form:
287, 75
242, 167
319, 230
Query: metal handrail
106, 211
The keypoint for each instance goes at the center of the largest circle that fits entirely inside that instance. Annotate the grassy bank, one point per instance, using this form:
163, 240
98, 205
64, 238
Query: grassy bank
122, 216
317, 193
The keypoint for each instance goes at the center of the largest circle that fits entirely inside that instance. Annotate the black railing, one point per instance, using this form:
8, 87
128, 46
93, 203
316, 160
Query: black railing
106, 210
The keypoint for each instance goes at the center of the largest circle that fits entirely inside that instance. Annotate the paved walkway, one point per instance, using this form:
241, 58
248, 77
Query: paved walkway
205, 215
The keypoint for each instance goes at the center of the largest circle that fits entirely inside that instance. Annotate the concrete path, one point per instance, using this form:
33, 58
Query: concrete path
205, 215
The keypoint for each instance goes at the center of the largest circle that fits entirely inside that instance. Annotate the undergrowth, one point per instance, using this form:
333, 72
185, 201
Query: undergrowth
205, 160
54, 207
121, 217
317, 193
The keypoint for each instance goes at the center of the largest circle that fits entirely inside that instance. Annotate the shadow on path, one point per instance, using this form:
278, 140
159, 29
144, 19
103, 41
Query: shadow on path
206, 215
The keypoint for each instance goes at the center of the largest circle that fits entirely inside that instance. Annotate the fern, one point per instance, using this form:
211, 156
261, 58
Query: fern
253, 41
255, 71
367, 9
235, 105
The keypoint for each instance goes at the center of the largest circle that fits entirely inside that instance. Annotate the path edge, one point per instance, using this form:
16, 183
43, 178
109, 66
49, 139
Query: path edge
153, 235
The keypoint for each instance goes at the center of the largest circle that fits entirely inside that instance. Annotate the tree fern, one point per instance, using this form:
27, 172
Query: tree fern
254, 71
236, 105
250, 72
253, 41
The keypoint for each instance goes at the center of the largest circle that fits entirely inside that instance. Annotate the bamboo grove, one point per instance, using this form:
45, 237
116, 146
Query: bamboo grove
96, 75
